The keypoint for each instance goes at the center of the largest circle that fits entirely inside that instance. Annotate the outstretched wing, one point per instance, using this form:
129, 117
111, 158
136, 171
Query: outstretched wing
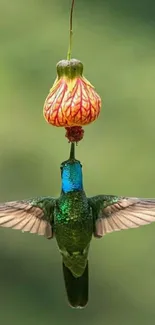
34, 215
113, 213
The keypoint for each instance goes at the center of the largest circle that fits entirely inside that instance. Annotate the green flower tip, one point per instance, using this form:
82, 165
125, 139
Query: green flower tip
69, 68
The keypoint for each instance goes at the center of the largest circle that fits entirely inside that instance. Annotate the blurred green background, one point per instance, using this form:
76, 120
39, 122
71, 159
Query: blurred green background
115, 41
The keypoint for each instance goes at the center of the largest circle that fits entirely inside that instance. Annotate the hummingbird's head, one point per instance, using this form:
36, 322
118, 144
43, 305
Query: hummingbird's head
71, 175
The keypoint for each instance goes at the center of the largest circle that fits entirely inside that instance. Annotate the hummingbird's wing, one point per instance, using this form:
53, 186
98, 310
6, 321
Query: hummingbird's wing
33, 215
113, 213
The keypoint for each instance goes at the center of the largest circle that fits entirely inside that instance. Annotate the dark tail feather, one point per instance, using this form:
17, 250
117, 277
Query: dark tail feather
77, 288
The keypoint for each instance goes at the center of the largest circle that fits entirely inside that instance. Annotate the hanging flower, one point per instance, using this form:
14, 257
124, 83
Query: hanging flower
72, 100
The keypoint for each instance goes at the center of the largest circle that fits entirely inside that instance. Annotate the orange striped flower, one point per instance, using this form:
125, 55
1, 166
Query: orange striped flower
72, 100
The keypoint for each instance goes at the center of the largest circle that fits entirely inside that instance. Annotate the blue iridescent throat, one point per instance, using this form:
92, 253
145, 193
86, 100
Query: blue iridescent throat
72, 177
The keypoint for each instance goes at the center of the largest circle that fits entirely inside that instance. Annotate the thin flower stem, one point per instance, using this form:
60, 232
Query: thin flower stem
70, 31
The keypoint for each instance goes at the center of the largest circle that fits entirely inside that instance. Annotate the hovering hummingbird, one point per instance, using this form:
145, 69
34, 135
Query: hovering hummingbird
73, 219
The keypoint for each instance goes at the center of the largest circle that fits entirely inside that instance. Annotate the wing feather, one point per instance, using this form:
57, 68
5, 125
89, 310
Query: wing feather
29, 225
116, 213
28, 216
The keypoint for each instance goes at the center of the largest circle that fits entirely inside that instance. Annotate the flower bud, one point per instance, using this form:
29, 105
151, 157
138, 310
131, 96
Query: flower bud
72, 101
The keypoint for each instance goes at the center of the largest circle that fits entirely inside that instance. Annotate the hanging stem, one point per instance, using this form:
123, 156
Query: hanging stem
70, 31
72, 151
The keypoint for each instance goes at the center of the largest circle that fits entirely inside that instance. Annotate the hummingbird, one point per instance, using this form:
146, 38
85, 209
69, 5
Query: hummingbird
73, 219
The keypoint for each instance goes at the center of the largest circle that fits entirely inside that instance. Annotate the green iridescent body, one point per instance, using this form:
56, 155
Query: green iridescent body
73, 228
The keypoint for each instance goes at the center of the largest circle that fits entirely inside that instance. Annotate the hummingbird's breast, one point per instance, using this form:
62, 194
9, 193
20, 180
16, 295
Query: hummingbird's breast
73, 222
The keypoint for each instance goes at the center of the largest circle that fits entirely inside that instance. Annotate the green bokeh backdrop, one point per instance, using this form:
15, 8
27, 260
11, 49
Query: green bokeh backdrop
115, 41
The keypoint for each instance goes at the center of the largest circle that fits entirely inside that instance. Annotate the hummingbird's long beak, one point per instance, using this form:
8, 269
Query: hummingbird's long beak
72, 151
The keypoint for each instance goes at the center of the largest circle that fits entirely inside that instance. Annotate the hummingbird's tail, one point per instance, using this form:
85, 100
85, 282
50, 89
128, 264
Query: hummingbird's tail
77, 288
